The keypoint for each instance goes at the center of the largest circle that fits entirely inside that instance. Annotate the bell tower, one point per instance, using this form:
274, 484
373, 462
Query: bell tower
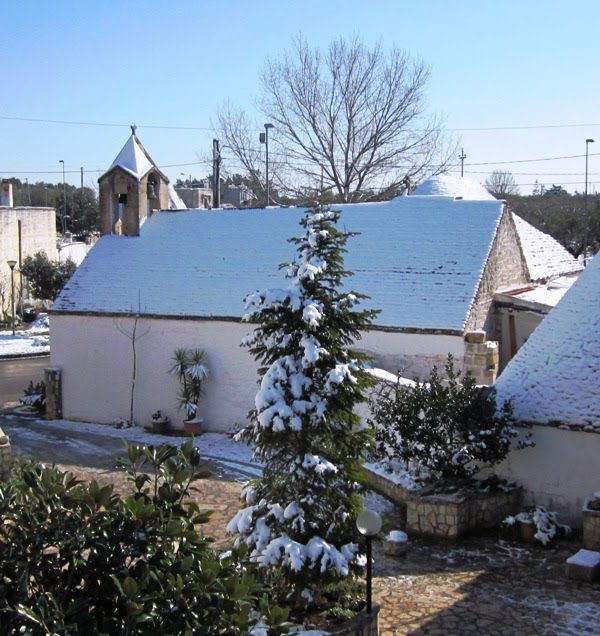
132, 189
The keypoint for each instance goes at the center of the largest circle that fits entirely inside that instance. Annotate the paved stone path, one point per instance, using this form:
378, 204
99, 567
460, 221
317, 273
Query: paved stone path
481, 585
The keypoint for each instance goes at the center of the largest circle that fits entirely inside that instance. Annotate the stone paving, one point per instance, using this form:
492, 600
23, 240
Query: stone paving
480, 585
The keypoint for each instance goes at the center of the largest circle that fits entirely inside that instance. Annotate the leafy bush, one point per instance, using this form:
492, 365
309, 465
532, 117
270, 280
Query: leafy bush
35, 396
76, 558
47, 278
449, 428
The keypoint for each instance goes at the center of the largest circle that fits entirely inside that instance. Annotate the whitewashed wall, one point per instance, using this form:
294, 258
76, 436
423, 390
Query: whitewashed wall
559, 472
411, 355
96, 362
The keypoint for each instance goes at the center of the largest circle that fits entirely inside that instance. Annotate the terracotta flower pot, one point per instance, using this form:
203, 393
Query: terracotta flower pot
159, 426
527, 531
193, 427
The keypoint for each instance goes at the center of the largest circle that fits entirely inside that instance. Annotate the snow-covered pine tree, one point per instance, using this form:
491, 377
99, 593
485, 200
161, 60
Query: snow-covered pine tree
300, 515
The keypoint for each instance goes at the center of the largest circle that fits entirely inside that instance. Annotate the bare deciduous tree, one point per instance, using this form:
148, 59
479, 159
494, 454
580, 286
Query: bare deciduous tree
501, 183
350, 115
133, 336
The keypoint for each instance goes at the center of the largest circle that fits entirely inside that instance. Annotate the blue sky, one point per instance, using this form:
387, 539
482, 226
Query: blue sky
157, 63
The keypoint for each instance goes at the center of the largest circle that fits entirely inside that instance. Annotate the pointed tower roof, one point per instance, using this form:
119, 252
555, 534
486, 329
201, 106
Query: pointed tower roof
134, 158
553, 379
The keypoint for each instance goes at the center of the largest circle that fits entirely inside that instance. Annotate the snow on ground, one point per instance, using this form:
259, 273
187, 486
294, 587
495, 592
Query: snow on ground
31, 341
212, 445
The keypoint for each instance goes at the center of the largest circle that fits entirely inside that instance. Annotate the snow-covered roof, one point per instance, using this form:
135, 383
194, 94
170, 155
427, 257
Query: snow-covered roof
456, 187
546, 258
555, 376
175, 201
550, 293
133, 158
419, 258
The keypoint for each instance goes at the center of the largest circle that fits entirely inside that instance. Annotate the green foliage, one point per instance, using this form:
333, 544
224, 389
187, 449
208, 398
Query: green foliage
302, 512
83, 214
46, 278
547, 527
450, 429
76, 558
191, 372
563, 216
35, 396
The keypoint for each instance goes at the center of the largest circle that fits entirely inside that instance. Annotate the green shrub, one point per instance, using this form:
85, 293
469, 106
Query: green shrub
77, 558
35, 396
449, 428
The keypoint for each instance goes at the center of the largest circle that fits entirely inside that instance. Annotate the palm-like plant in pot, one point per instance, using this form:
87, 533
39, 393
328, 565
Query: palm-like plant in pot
191, 372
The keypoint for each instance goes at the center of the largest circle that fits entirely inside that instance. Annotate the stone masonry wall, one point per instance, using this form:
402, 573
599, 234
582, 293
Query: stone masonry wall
481, 357
505, 268
591, 529
5, 456
38, 234
452, 516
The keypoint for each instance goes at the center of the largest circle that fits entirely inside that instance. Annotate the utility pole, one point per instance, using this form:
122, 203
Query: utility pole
586, 220
462, 158
216, 174
64, 211
264, 139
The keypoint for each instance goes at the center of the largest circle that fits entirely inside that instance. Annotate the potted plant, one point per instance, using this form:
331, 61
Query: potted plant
538, 523
159, 422
191, 372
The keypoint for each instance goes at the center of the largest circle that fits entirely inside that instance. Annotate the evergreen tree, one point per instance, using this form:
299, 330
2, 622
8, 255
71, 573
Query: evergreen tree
300, 515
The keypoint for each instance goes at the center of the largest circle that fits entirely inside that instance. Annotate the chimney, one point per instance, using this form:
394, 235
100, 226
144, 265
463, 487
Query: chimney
6, 194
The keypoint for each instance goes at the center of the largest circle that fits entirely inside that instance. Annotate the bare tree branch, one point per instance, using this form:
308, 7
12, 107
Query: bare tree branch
351, 115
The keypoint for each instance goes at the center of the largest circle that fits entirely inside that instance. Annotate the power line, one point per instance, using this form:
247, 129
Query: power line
211, 129
235, 161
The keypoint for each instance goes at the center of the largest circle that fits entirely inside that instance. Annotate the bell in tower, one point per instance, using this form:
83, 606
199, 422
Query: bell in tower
131, 189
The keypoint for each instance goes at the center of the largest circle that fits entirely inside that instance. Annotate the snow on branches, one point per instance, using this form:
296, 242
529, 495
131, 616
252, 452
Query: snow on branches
300, 515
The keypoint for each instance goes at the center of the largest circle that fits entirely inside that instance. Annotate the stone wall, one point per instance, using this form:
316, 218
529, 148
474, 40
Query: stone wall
446, 516
452, 516
38, 234
5, 456
118, 183
505, 268
481, 357
591, 529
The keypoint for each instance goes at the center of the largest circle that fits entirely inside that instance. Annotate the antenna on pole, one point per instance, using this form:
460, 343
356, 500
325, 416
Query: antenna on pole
462, 158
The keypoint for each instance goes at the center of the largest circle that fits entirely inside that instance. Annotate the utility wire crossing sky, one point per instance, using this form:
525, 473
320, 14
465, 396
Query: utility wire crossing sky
511, 81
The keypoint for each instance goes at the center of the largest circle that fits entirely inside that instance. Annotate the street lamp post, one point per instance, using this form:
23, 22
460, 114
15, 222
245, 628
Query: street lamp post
368, 523
64, 214
586, 221
187, 175
12, 264
264, 138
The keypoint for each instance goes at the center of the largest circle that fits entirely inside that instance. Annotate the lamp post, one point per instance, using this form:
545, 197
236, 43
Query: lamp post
586, 221
368, 523
12, 264
187, 175
264, 138
64, 214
